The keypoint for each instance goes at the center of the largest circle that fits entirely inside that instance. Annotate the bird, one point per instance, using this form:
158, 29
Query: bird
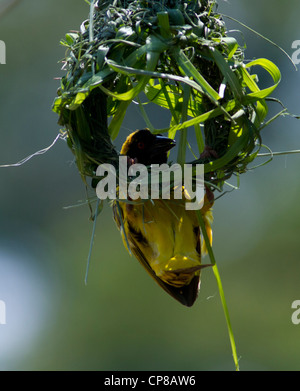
164, 237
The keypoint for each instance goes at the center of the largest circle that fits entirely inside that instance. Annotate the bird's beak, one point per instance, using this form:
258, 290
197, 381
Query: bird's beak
163, 144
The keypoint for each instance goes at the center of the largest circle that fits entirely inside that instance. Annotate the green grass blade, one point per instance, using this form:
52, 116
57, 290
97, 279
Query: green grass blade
261, 107
228, 74
199, 138
279, 153
220, 287
163, 22
183, 134
135, 71
117, 120
273, 70
99, 206
190, 71
201, 118
145, 115
128, 95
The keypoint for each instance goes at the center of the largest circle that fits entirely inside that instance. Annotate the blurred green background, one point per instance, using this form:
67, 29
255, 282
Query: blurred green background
122, 320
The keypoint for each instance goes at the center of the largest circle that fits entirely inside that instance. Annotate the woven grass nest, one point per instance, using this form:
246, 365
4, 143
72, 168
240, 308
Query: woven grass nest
175, 54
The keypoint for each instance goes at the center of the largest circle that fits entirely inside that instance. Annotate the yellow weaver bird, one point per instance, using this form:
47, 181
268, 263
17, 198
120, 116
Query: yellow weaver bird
162, 234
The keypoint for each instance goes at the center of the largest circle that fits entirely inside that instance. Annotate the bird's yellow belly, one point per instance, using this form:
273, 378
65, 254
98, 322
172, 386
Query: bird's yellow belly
170, 245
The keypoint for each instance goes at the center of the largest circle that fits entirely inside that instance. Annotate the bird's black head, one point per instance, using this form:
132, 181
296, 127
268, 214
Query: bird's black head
147, 148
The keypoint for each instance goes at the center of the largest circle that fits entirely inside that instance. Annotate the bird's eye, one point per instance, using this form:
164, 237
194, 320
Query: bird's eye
141, 145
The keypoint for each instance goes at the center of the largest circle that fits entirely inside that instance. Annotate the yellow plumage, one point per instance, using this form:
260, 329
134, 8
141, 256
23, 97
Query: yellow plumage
166, 239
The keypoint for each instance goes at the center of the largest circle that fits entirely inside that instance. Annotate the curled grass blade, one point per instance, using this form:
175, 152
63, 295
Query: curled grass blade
274, 72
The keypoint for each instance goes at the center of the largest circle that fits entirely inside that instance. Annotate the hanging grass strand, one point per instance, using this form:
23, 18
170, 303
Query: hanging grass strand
220, 287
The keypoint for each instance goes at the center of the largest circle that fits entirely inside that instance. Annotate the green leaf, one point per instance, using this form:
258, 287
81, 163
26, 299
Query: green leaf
71, 38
